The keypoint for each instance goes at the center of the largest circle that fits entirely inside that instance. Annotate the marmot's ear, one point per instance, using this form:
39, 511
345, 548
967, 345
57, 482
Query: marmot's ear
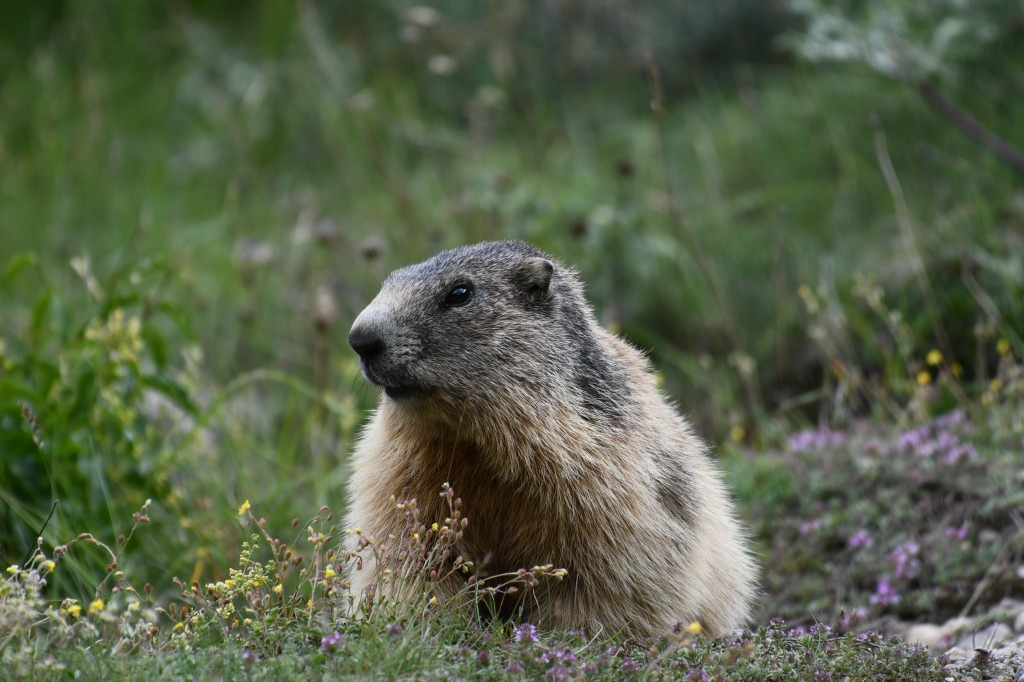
533, 277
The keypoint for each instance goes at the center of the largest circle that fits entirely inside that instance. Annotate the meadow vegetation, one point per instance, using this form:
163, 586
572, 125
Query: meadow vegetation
194, 205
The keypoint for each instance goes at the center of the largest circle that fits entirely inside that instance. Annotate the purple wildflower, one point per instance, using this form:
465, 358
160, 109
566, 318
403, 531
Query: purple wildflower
332, 642
819, 439
960, 453
394, 628
560, 656
483, 657
810, 527
557, 672
629, 666
953, 420
852, 618
860, 539
249, 658
527, 632
940, 438
904, 556
912, 440
885, 594
957, 533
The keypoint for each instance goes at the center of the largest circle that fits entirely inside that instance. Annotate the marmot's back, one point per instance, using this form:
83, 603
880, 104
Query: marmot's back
498, 379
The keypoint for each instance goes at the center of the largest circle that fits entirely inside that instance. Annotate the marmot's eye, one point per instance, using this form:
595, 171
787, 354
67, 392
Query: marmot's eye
459, 295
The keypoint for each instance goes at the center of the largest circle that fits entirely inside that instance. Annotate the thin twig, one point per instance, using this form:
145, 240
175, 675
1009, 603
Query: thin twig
973, 128
906, 225
32, 549
985, 301
985, 581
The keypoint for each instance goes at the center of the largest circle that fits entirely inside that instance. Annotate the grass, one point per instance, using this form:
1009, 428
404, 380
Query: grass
290, 613
196, 206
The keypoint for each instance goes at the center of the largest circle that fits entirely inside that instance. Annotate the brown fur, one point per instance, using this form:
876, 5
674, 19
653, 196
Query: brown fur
554, 434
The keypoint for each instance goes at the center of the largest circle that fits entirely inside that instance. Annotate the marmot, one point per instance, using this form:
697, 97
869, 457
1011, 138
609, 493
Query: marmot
498, 379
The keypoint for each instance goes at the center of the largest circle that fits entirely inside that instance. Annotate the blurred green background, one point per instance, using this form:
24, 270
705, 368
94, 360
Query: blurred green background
197, 197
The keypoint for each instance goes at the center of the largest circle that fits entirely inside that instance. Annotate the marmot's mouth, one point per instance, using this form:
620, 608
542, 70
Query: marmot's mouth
396, 384
401, 393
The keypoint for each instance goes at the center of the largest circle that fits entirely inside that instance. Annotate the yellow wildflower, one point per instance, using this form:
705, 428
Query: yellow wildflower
72, 609
178, 626
737, 433
433, 601
329, 573
694, 628
957, 369
244, 508
934, 358
95, 607
278, 588
924, 378
433, 527
1002, 346
48, 566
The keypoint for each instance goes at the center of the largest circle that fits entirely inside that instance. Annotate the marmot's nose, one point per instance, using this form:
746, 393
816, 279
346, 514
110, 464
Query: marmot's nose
367, 341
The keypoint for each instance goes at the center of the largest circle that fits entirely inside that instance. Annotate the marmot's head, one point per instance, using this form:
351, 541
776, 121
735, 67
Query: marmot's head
497, 321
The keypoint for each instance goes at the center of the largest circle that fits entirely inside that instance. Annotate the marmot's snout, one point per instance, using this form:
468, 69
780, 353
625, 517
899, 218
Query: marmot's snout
367, 341
383, 357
